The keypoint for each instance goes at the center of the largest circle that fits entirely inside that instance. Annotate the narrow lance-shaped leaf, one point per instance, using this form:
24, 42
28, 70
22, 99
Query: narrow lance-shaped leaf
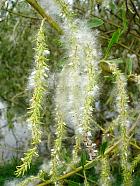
114, 39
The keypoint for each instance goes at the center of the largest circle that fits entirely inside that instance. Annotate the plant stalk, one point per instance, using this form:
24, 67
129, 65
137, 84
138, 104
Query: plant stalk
49, 19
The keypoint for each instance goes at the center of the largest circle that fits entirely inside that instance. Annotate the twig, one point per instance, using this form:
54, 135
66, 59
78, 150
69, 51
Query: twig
21, 15
49, 19
92, 181
135, 9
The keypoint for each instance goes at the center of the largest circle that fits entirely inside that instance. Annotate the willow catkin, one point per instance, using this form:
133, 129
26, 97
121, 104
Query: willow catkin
36, 100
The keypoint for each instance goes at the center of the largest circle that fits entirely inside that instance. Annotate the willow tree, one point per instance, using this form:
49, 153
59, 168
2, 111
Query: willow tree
87, 53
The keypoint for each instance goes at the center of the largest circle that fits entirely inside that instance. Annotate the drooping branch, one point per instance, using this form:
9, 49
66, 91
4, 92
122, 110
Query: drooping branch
49, 19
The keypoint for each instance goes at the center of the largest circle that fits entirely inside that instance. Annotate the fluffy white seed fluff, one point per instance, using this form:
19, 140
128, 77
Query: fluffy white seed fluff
73, 80
50, 7
11, 183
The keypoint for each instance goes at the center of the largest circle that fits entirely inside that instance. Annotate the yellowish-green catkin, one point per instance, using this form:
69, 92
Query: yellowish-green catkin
56, 160
91, 91
76, 149
74, 62
65, 9
92, 88
122, 107
105, 179
135, 163
36, 102
26, 161
70, 87
40, 85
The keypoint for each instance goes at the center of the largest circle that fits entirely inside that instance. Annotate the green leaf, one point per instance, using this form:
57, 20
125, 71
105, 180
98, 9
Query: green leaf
83, 158
89, 166
73, 183
129, 66
95, 22
115, 61
114, 39
103, 147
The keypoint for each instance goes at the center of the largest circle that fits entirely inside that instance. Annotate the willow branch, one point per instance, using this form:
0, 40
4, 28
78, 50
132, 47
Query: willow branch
49, 19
